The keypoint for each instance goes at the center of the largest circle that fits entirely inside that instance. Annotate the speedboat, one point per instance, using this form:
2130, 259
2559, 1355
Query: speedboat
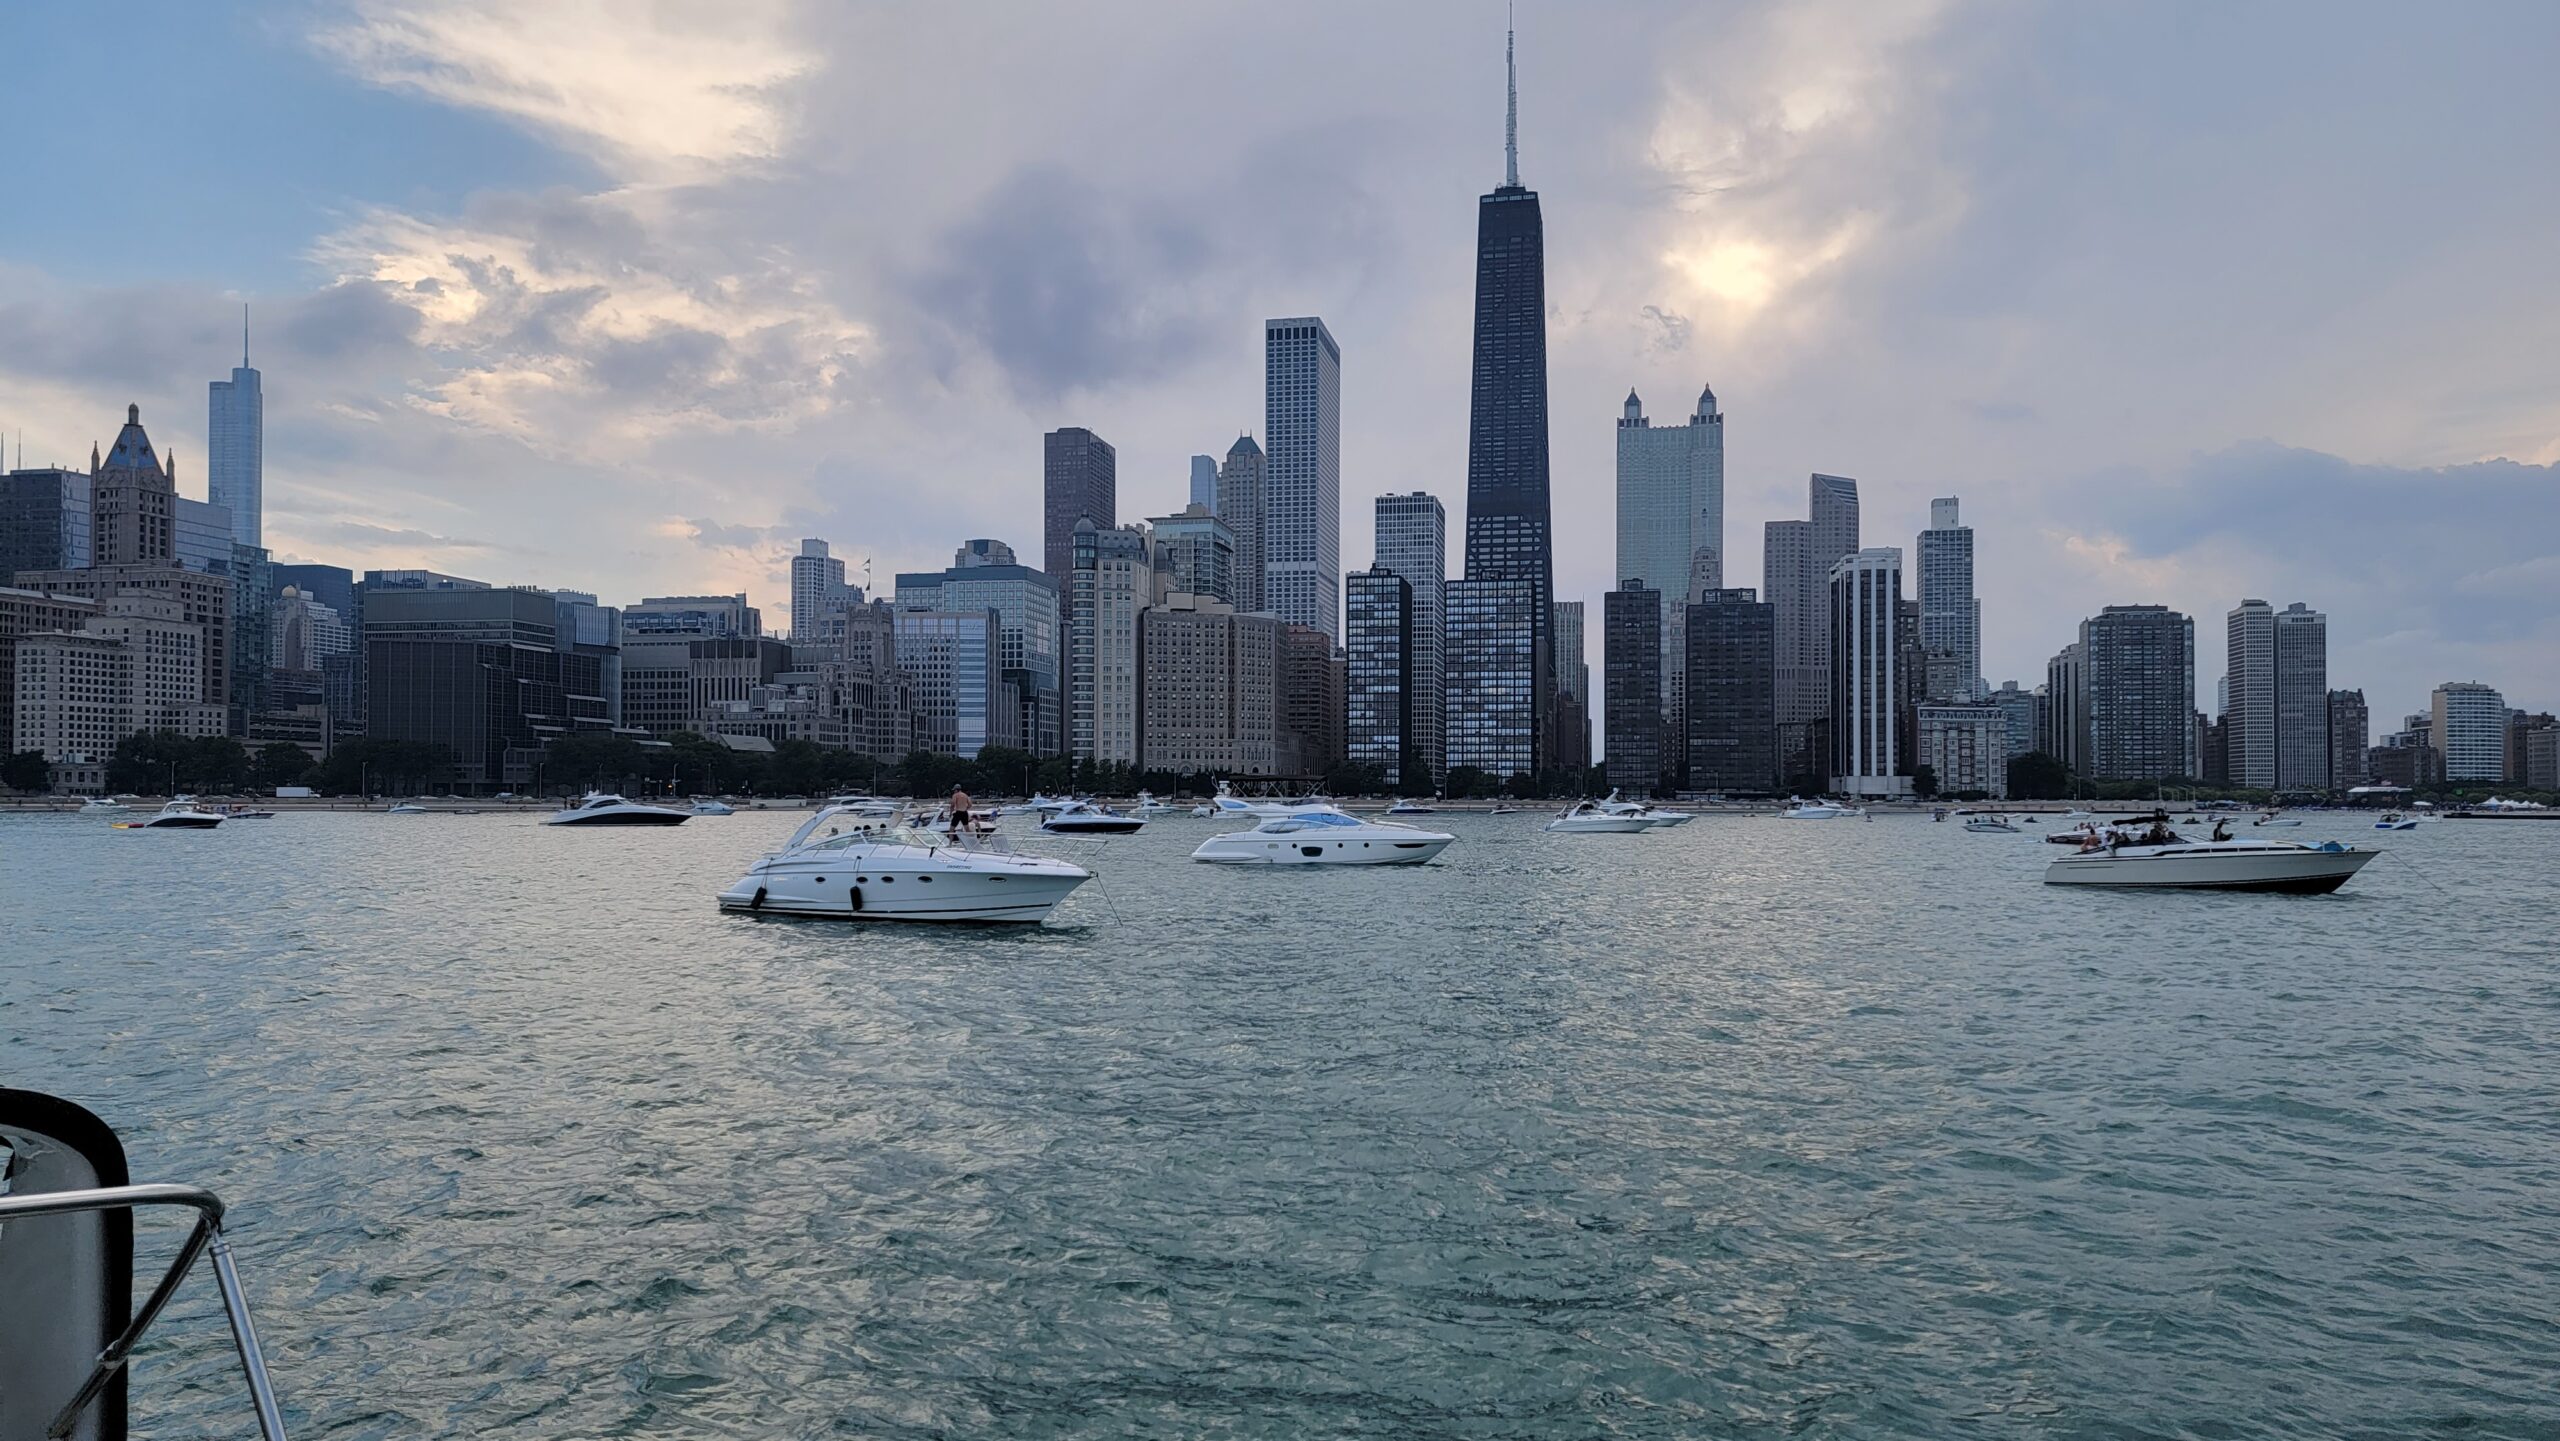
180, 814
1990, 823
2394, 821
1645, 811
1224, 803
1148, 807
600, 809
1585, 818
1409, 807
1084, 818
246, 813
845, 865
406, 808
712, 806
1817, 811
2276, 818
860, 805
102, 806
1326, 837
1504, 811
1046, 806
2214, 865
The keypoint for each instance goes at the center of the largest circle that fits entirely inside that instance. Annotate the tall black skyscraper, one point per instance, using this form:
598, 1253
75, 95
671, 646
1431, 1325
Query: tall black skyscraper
1079, 475
1508, 534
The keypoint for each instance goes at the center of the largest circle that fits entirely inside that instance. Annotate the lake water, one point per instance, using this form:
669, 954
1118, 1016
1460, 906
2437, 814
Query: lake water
1752, 1128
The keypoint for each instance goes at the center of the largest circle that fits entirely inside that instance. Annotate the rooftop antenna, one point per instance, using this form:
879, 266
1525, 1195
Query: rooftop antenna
1511, 113
244, 335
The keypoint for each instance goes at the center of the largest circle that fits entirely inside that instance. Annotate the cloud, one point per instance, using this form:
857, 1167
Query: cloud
664, 91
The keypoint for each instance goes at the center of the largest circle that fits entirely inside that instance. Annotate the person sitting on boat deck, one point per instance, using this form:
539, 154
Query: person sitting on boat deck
959, 810
2222, 828
2158, 835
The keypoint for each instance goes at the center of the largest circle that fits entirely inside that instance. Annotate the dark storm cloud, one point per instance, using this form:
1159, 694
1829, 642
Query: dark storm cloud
1065, 288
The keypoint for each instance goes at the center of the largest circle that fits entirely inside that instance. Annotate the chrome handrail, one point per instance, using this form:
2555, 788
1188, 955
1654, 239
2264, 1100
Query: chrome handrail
207, 1233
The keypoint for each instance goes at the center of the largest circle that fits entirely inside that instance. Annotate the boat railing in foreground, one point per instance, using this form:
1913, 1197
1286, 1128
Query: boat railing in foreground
205, 1236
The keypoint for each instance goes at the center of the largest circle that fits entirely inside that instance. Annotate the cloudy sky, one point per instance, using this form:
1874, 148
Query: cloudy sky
2186, 302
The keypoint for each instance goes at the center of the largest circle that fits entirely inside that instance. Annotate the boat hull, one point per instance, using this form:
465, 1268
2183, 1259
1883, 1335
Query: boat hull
894, 893
623, 818
1091, 828
1255, 848
2304, 872
1600, 826
176, 823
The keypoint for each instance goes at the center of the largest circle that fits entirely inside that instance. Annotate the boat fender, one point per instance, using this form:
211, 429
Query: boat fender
758, 903
857, 898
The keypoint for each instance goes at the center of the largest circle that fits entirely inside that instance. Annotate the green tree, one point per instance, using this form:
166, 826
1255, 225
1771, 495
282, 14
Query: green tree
1356, 778
2036, 776
595, 760
1924, 782
26, 771
281, 763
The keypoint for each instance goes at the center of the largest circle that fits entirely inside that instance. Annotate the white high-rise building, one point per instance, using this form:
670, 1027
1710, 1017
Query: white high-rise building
2249, 701
1671, 525
2302, 698
236, 447
1302, 491
1413, 542
2469, 728
1866, 674
817, 587
1950, 615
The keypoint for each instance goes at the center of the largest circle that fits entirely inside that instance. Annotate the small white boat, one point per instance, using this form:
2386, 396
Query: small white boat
1148, 807
1586, 818
1225, 803
1803, 810
1048, 805
406, 808
2394, 821
246, 813
2277, 818
1326, 837
103, 806
1990, 823
1084, 818
2214, 865
600, 809
712, 806
180, 814
1411, 808
845, 865
1504, 811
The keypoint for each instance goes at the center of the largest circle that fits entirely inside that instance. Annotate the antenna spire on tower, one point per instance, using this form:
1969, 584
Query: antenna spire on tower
244, 335
1511, 112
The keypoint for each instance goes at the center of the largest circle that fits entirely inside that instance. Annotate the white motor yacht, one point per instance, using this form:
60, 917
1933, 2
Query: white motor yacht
849, 866
1989, 823
1646, 811
1587, 818
1047, 806
2394, 821
713, 806
2214, 865
1224, 803
1148, 807
2277, 818
1410, 807
103, 806
406, 808
1326, 837
182, 813
1084, 818
600, 809
1817, 811
872, 806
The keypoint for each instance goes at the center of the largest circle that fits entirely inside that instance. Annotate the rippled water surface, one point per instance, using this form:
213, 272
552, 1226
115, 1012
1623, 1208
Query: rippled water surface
1750, 1128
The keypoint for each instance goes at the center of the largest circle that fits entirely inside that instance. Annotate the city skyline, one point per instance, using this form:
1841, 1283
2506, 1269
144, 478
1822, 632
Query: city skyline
408, 426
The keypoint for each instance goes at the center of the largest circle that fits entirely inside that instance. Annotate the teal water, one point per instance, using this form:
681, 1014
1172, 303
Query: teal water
1752, 1128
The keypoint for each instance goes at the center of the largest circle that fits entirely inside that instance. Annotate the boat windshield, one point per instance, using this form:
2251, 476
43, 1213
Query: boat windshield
1308, 820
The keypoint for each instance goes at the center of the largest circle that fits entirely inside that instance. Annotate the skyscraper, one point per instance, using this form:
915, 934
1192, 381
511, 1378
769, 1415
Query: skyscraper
1302, 489
1732, 709
2138, 687
1413, 541
1240, 485
44, 521
1204, 481
1508, 529
1570, 715
1950, 616
1866, 665
1115, 578
2469, 727
1671, 526
1631, 670
1377, 639
1492, 675
1796, 575
1028, 604
817, 587
1201, 551
2302, 698
2249, 702
1078, 481
235, 434
2350, 732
